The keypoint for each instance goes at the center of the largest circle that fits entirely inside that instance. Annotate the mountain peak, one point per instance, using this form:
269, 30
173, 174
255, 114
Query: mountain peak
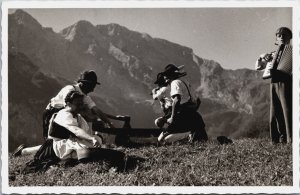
81, 27
21, 13
23, 18
84, 24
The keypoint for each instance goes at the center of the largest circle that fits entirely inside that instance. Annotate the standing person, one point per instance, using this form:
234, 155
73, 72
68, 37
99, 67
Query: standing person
281, 86
84, 85
184, 120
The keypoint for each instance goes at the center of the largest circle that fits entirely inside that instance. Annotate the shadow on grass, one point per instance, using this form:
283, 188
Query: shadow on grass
112, 158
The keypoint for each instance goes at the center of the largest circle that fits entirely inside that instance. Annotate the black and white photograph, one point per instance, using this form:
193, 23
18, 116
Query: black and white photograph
161, 95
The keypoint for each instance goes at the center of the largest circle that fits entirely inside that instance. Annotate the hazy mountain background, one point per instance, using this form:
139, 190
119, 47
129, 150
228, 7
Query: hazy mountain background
41, 62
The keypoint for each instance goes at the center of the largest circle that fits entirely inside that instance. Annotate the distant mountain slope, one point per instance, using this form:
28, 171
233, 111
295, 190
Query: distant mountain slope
28, 95
127, 63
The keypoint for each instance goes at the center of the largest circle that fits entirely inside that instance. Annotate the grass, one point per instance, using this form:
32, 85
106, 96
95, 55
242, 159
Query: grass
246, 162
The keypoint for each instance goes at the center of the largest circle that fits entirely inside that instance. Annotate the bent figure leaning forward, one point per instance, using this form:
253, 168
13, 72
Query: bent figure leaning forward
181, 116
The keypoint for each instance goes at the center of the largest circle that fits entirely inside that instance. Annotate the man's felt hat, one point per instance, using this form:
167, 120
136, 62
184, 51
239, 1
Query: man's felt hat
174, 71
88, 76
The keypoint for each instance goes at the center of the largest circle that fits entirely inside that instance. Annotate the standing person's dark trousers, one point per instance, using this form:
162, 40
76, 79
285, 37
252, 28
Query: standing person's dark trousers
281, 109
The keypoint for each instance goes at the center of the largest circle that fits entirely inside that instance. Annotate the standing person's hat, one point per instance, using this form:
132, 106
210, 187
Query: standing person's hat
172, 70
88, 76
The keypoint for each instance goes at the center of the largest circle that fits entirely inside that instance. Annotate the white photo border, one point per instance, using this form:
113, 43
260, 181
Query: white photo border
294, 4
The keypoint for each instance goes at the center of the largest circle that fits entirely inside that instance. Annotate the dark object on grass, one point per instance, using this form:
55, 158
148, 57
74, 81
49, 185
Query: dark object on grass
70, 162
132, 162
224, 140
111, 158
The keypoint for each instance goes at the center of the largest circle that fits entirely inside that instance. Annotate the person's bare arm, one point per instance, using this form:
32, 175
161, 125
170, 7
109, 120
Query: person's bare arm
80, 133
175, 105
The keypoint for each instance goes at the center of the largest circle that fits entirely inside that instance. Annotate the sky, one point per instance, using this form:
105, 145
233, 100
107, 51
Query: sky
234, 37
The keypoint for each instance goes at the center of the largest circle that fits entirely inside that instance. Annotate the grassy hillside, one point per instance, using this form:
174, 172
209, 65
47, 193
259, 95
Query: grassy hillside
246, 162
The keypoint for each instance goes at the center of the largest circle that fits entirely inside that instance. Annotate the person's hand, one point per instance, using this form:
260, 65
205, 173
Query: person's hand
97, 141
268, 57
170, 120
261, 62
109, 125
